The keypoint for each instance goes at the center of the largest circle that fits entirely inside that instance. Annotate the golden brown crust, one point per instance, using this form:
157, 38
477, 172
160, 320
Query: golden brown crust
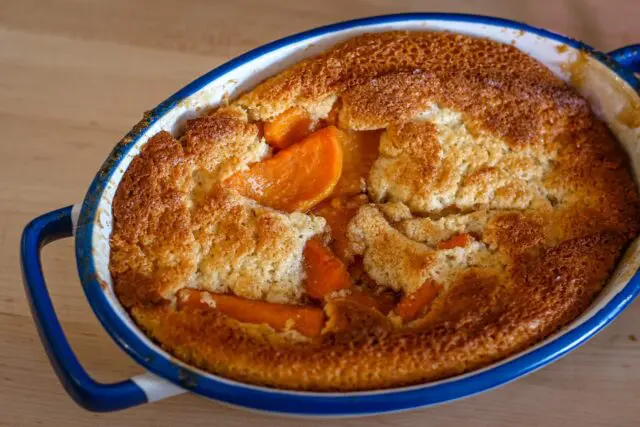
390, 258
410, 161
249, 250
487, 80
477, 138
219, 142
152, 248
478, 322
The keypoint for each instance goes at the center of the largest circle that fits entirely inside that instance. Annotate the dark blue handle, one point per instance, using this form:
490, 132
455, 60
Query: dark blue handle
628, 56
84, 390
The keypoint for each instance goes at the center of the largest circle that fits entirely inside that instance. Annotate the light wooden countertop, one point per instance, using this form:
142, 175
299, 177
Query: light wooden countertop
76, 75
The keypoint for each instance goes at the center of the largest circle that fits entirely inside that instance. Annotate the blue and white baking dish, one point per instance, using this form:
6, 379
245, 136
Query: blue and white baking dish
607, 81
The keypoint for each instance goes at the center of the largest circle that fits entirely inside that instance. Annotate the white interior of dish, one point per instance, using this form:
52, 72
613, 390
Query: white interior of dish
607, 93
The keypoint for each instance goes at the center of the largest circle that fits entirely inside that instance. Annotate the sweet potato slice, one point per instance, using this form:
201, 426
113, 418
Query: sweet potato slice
360, 151
288, 128
459, 240
297, 178
414, 303
325, 272
309, 321
338, 212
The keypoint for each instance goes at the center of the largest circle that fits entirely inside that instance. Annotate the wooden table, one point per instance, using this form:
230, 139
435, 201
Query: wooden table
76, 75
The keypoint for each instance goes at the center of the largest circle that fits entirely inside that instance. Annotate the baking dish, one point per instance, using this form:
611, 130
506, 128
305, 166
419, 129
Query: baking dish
607, 81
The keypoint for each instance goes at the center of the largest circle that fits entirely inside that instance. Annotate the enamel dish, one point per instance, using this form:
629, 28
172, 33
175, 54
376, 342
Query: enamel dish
607, 81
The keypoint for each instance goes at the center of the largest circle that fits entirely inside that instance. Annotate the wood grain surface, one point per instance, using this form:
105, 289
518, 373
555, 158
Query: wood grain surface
75, 75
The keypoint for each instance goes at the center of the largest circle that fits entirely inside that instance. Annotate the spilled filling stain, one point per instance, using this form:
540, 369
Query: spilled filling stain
630, 114
576, 68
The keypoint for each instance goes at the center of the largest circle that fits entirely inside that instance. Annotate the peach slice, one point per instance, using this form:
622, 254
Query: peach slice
309, 321
338, 212
288, 128
457, 241
325, 272
360, 151
414, 303
296, 178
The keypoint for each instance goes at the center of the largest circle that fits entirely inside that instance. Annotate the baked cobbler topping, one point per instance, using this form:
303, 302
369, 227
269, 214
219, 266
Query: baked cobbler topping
401, 208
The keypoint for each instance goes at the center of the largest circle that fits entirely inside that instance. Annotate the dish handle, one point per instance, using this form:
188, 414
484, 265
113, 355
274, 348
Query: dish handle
628, 56
87, 392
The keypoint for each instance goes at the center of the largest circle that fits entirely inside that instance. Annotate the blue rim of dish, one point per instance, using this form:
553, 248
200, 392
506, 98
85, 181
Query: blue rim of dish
311, 403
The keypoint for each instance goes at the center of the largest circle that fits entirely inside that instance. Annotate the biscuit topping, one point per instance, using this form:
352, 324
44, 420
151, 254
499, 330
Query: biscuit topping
401, 208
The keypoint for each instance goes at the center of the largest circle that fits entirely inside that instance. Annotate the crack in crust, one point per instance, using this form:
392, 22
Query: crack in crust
477, 138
